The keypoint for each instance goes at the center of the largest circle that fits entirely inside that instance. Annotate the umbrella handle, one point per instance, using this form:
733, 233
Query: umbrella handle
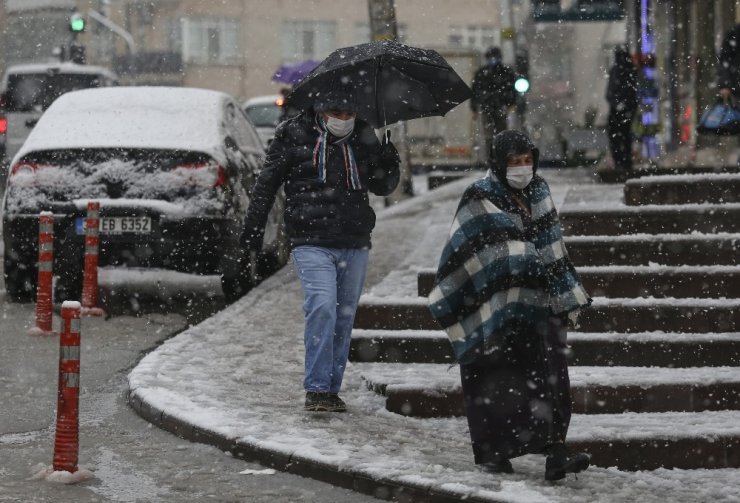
387, 137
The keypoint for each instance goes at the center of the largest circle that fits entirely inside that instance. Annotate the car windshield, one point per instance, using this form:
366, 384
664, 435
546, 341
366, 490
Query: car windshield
267, 115
57, 178
29, 91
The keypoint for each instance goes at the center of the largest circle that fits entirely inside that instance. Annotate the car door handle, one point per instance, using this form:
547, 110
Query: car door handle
31, 122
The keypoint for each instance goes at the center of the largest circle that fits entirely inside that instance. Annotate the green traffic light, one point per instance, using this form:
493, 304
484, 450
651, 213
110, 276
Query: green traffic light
77, 23
521, 85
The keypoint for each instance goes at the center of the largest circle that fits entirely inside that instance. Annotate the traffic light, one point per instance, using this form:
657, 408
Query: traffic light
76, 23
521, 84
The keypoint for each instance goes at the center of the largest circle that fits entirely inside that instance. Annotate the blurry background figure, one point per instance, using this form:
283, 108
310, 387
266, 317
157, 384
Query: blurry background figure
729, 65
621, 93
493, 93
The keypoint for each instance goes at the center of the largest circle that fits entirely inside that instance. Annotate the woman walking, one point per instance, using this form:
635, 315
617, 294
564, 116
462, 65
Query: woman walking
504, 291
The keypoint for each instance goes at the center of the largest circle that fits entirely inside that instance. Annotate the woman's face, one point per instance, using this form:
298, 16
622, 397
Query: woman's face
517, 160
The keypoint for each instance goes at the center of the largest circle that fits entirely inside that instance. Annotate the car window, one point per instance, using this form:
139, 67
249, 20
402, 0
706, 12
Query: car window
29, 91
265, 115
242, 131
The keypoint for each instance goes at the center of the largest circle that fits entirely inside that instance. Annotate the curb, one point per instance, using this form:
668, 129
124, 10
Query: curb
355, 480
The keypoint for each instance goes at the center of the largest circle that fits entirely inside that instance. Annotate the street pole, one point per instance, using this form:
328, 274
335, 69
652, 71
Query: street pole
383, 26
508, 48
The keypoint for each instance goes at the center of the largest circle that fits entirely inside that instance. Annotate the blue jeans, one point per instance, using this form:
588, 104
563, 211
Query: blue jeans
332, 280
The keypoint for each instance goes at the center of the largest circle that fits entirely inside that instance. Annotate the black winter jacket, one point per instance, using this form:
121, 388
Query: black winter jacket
493, 88
729, 61
621, 91
331, 213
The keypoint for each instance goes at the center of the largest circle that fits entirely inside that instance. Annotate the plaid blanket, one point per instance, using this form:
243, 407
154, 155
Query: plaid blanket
499, 268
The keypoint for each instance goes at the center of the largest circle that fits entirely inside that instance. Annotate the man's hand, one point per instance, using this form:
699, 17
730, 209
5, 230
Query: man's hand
725, 93
388, 152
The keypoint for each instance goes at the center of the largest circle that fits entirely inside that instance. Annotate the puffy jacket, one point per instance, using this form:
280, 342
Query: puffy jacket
729, 61
493, 87
323, 213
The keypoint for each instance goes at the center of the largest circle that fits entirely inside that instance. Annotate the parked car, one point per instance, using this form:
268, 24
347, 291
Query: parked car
27, 90
172, 169
265, 112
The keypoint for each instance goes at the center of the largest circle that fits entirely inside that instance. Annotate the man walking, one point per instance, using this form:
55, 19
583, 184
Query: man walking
326, 159
729, 65
621, 93
493, 93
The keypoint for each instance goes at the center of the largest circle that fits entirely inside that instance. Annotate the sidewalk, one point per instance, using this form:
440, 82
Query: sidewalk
234, 381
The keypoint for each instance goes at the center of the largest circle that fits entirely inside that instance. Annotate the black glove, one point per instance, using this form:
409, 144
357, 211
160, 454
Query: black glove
388, 156
251, 239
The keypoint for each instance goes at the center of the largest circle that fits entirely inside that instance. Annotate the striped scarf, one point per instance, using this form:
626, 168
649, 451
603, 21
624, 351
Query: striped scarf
496, 269
350, 164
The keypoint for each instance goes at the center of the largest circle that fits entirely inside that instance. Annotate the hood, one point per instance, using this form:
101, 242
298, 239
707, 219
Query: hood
508, 143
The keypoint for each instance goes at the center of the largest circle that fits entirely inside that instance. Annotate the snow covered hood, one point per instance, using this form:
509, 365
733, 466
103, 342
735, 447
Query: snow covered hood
168, 118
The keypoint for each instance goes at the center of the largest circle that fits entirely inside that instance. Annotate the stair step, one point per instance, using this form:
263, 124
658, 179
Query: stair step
617, 176
434, 390
643, 281
646, 249
606, 315
683, 189
578, 220
612, 349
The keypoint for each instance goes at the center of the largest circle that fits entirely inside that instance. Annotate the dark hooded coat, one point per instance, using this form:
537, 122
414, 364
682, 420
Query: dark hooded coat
515, 380
729, 61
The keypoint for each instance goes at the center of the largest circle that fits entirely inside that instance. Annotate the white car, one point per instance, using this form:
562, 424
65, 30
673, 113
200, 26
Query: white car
265, 112
172, 169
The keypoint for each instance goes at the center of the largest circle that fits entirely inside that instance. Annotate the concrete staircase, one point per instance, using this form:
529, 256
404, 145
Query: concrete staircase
656, 357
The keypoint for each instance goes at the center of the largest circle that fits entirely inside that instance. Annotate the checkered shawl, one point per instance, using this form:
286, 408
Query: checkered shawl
496, 269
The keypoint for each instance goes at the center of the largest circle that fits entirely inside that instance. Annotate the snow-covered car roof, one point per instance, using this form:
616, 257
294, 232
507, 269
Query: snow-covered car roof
55, 67
262, 100
166, 118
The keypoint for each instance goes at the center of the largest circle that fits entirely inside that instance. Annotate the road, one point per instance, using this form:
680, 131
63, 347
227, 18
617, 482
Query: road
132, 460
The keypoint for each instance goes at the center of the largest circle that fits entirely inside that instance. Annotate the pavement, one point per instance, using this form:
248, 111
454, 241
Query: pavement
234, 381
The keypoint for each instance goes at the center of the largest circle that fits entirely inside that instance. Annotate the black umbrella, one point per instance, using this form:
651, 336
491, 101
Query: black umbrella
389, 82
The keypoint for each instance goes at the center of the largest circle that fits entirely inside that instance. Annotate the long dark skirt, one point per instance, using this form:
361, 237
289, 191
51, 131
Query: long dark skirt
517, 398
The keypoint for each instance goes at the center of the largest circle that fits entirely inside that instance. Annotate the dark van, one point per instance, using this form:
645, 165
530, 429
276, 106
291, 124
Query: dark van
28, 89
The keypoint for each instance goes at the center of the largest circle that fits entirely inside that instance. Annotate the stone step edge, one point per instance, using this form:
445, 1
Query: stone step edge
677, 337
689, 302
445, 399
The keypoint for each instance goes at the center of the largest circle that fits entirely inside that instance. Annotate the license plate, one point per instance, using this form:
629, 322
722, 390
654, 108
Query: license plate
120, 225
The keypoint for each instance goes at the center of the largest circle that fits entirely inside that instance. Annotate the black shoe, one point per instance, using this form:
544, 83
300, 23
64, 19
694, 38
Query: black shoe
503, 466
321, 401
339, 405
561, 460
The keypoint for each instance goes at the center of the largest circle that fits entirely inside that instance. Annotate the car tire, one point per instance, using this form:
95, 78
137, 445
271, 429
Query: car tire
20, 284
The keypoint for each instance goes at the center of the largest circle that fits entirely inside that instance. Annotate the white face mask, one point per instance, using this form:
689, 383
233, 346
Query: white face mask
338, 127
519, 177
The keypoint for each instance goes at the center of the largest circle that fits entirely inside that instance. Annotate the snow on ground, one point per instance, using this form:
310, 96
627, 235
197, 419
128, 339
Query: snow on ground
239, 374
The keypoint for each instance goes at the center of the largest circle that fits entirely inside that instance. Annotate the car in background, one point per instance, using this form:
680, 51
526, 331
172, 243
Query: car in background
29, 89
172, 169
265, 112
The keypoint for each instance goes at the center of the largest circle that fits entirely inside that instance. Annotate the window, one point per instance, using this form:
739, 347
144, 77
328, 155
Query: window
308, 39
475, 36
206, 40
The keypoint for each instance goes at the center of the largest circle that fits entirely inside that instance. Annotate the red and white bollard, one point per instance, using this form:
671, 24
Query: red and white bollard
90, 273
66, 440
44, 314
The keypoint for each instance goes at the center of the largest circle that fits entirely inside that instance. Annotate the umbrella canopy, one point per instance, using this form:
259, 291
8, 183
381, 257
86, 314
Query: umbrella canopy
292, 73
388, 82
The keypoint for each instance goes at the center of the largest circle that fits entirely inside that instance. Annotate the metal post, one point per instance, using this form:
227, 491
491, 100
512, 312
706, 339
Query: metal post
66, 438
44, 315
90, 272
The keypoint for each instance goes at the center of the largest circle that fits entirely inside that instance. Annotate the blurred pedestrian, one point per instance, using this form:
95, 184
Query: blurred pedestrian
504, 291
621, 93
493, 93
326, 159
729, 65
